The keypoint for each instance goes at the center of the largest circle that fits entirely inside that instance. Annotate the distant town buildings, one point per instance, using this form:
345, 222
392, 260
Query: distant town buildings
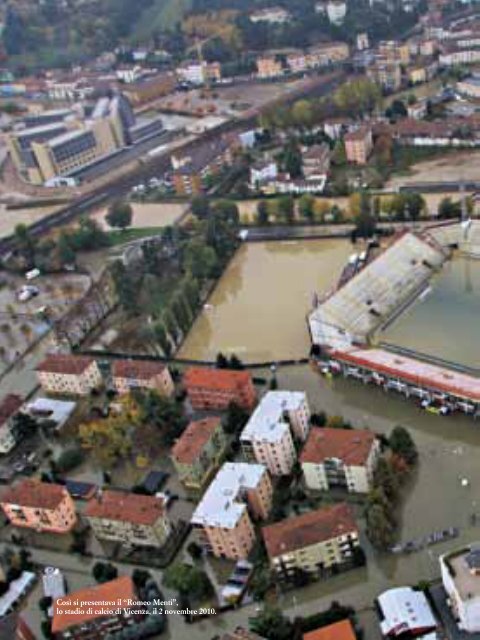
359, 145
362, 41
344, 458
271, 15
192, 171
223, 518
336, 11
129, 518
268, 438
69, 374
269, 67
9, 407
461, 580
198, 451
314, 542
199, 73
142, 374
217, 388
42, 506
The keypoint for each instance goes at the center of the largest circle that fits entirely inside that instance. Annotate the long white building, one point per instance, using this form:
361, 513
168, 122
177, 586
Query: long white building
268, 438
461, 580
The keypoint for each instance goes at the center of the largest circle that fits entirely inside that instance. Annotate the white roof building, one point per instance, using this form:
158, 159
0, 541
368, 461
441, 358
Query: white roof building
220, 505
461, 580
405, 610
270, 419
17, 589
58, 411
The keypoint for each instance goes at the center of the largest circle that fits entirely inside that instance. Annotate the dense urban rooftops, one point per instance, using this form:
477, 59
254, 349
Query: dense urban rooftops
192, 441
67, 364
126, 507
34, 494
352, 446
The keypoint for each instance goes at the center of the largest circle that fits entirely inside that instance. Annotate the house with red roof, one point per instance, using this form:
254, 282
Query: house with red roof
217, 388
68, 374
43, 506
129, 518
142, 374
198, 451
96, 612
339, 458
314, 543
342, 630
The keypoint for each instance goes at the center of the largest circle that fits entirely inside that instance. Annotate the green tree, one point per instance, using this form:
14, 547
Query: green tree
236, 419
302, 113
402, 444
25, 243
65, 252
164, 413
380, 529
293, 162
200, 260
104, 572
339, 155
171, 326
119, 214
187, 580
286, 208
386, 479
306, 206
161, 337
200, 207
270, 623
262, 213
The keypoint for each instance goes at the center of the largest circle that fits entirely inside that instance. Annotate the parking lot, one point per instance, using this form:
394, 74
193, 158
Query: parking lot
23, 323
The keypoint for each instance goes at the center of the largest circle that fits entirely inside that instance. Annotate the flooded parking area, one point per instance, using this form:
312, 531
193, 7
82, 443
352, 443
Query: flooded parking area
259, 306
443, 322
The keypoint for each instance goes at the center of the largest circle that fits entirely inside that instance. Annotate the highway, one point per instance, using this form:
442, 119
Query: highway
159, 164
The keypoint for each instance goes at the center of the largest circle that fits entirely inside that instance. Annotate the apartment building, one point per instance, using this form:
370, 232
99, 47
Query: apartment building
9, 407
217, 388
344, 458
315, 542
142, 374
262, 172
460, 571
68, 374
97, 620
268, 438
198, 451
394, 51
129, 518
316, 161
269, 67
239, 493
387, 75
190, 172
359, 145
38, 505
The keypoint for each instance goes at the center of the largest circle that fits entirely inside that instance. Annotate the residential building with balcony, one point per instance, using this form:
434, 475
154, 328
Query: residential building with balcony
129, 518
316, 161
199, 73
198, 451
359, 145
100, 620
190, 172
271, 15
316, 542
239, 493
460, 571
217, 388
9, 408
268, 438
42, 506
142, 374
339, 458
69, 374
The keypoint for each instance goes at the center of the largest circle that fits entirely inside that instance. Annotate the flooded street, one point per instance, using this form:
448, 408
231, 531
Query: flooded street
259, 306
442, 322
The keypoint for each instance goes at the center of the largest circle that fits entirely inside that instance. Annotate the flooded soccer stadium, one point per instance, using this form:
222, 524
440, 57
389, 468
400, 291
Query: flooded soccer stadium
442, 322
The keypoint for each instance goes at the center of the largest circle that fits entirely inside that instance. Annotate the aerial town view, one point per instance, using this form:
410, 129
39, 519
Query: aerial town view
239, 319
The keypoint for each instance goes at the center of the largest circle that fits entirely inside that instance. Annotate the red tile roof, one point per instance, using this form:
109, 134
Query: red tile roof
33, 493
126, 507
192, 441
221, 379
357, 135
137, 369
308, 529
120, 588
61, 363
342, 630
352, 446
9, 406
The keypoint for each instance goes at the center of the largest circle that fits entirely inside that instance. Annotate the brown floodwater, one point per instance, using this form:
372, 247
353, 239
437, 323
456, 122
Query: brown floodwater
258, 309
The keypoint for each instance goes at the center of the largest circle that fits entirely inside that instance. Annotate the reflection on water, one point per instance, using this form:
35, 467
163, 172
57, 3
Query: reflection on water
444, 322
258, 308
